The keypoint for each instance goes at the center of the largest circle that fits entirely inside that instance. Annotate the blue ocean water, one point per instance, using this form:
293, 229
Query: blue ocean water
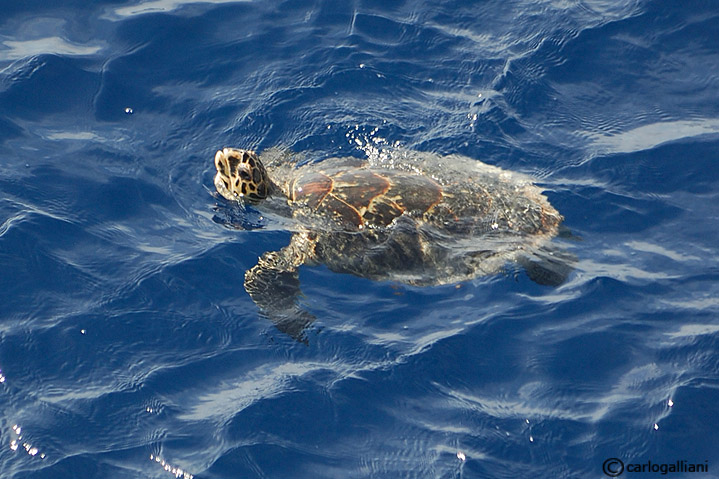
129, 349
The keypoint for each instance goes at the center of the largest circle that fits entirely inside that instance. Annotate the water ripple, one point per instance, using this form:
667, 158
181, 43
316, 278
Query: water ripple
128, 347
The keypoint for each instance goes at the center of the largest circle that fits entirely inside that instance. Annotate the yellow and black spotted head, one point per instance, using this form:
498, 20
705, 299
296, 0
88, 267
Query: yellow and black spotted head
241, 175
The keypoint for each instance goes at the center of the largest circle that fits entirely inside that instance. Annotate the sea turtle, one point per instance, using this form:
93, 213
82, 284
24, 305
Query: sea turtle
416, 218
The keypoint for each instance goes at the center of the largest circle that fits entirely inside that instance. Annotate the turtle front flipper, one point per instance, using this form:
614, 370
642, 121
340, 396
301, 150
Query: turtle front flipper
273, 284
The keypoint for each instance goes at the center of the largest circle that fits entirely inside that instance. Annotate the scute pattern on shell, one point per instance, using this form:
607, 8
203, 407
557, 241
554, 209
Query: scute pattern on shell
365, 198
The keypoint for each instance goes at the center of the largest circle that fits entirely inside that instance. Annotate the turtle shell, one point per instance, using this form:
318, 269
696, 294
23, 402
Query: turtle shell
359, 198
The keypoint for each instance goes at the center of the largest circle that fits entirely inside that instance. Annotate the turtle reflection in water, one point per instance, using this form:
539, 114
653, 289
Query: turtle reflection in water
421, 220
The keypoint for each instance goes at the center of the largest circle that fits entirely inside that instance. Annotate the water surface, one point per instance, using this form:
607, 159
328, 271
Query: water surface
128, 347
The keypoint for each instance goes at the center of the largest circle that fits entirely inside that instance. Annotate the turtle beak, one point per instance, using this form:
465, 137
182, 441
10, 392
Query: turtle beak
222, 178
221, 163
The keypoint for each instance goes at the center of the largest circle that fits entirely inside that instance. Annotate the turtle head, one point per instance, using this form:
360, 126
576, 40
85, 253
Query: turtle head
241, 175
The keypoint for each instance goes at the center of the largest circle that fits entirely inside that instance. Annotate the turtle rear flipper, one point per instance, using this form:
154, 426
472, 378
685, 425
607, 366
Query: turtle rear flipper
548, 266
274, 286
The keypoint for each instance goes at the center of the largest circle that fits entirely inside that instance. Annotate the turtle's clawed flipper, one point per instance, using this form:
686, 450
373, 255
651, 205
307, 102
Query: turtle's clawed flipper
548, 266
273, 284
